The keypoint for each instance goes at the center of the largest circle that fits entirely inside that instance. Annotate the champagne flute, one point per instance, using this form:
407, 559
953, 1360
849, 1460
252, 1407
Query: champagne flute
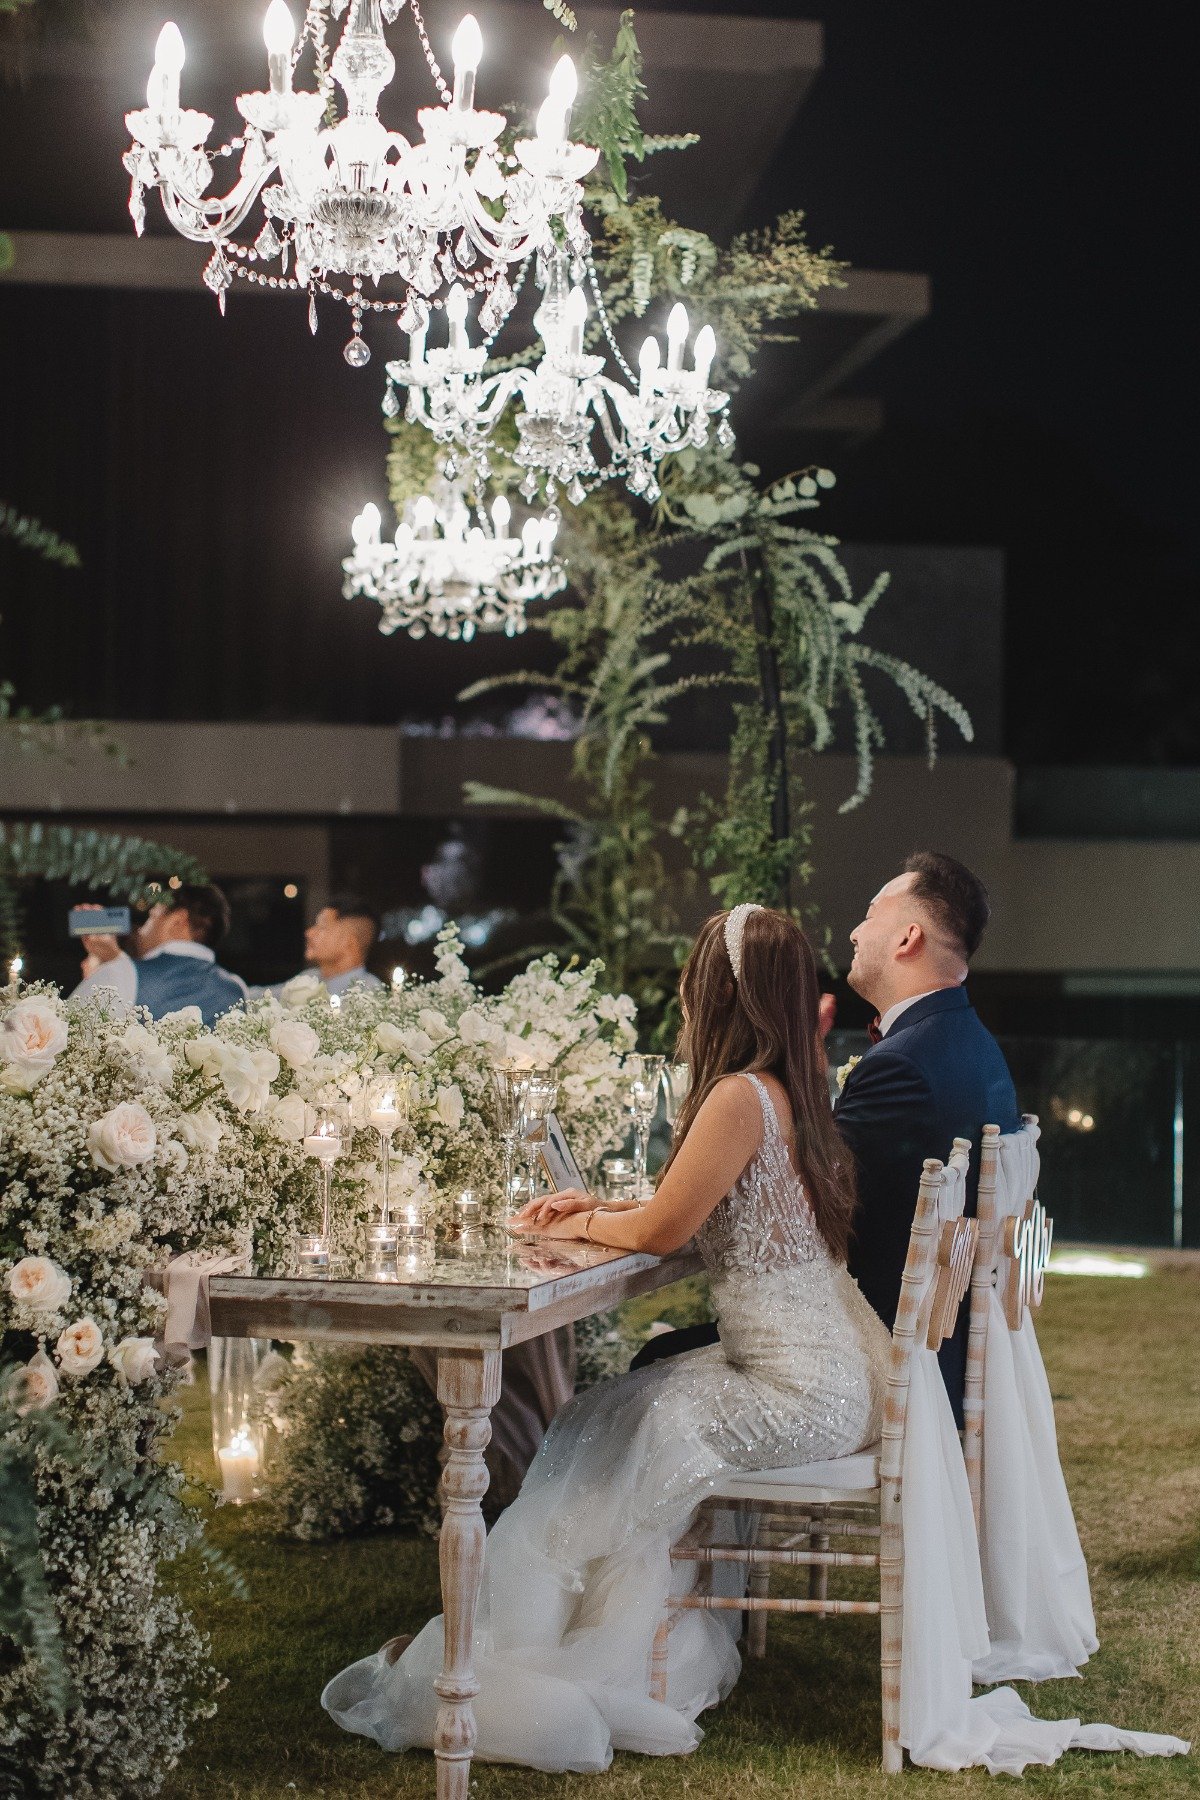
541, 1092
508, 1092
645, 1074
677, 1079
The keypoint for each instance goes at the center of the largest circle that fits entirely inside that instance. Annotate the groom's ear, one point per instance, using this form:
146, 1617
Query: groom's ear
912, 943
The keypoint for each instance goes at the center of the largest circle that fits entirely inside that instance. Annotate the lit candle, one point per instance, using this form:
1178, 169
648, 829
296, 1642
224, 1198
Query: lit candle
501, 514
386, 1115
456, 316
279, 34
706, 349
410, 1220
466, 50
335, 1003
399, 974
575, 313
324, 1143
677, 330
469, 1209
239, 1467
168, 63
416, 345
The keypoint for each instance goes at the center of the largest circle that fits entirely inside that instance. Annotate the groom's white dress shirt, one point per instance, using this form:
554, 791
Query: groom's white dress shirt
888, 1019
120, 972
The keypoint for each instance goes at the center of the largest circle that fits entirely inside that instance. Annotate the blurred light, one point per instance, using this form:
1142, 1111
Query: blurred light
1074, 1117
1083, 1262
1087, 1122
399, 977
15, 967
290, 890
335, 1002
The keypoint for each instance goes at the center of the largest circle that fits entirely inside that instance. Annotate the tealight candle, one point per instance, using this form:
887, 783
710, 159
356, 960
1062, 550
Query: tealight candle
324, 1143
239, 1467
410, 1219
386, 1115
469, 1209
312, 1253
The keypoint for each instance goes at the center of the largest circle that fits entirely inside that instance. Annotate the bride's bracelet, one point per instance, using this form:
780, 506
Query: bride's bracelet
587, 1225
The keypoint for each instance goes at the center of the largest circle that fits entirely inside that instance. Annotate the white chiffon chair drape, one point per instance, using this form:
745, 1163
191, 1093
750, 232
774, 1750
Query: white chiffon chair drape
1035, 1580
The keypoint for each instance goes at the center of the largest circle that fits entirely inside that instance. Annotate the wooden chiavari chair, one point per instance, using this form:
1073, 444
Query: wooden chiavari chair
855, 1499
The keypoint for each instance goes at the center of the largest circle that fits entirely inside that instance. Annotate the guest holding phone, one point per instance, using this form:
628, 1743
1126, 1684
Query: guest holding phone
176, 965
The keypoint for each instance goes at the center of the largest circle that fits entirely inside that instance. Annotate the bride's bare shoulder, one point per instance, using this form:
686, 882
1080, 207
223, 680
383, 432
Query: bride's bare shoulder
734, 1102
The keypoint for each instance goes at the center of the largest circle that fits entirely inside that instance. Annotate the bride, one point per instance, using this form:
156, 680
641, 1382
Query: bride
578, 1570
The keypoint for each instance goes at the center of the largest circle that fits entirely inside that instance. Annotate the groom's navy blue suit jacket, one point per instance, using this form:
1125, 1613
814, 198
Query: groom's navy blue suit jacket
937, 1075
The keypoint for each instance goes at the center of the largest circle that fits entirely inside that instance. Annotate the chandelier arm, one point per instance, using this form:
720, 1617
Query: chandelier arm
227, 213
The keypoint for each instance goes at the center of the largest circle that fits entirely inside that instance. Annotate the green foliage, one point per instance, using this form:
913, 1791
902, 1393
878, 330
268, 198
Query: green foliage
30, 534
27, 1611
606, 113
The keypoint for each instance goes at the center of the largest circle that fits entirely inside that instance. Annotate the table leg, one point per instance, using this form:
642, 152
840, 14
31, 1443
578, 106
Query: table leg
468, 1386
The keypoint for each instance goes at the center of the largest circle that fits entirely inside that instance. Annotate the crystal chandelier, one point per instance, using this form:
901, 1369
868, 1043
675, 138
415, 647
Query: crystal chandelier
353, 199
446, 575
577, 426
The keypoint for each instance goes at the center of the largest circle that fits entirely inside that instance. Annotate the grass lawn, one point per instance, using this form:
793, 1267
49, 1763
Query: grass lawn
1124, 1363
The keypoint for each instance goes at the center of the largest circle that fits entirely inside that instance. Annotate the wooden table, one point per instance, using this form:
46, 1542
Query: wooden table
466, 1304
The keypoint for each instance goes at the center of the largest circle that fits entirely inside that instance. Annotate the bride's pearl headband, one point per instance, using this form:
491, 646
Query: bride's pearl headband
735, 925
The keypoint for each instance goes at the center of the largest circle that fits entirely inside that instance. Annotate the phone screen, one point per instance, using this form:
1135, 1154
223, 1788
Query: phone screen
98, 921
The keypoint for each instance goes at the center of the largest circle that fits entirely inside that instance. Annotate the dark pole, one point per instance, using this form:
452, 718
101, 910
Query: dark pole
772, 701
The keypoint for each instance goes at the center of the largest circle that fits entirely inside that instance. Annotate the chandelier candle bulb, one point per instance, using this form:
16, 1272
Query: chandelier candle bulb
279, 34
365, 529
416, 345
576, 318
677, 330
706, 349
163, 93
466, 50
649, 358
501, 515
424, 516
551, 122
564, 85
456, 316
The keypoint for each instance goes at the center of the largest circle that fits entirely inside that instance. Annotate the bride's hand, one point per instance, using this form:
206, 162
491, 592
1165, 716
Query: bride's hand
548, 1207
567, 1225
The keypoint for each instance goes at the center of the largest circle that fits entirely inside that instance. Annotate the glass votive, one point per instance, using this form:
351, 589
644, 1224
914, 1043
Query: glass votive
619, 1178
468, 1210
312, 1253
240, 1468
409, 1221
382, 1241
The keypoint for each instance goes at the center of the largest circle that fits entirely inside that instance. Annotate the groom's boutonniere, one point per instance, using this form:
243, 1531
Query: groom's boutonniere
843, 1074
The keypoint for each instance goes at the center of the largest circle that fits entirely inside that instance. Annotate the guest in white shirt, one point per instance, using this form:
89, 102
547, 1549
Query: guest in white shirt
176, 962
338, 942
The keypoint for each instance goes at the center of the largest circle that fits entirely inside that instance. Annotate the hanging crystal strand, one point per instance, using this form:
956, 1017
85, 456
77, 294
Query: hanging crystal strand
312, 314
430, 58
606, 322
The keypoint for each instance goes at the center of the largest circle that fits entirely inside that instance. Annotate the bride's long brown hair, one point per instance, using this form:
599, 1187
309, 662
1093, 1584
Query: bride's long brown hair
765, 1022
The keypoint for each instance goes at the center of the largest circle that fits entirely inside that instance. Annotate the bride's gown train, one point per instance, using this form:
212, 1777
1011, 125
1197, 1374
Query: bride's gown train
578, 1569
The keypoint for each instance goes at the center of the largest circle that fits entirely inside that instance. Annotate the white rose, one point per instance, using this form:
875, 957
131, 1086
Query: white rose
434, 1025
39, 1284
475, 1027
123, 1138
173, 1156
301, 988
246, 1076
416, 1044
206, 1053
295, 1041
20, 1077
135, 1358
150, 1053
80, 1348
448, 1104
183, 1015
389, 1037
35, 1386
33, 1034
201, 1130
287, 1116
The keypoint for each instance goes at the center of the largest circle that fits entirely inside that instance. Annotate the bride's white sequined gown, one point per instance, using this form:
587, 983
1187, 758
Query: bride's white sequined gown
577, 1570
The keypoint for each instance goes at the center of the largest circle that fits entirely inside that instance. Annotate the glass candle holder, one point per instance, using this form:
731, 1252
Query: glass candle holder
326, 1136
409, 1218
387, 1111
619, 1178
311, 1249
508, 1094
645, 1074
541, 1093
468, 1211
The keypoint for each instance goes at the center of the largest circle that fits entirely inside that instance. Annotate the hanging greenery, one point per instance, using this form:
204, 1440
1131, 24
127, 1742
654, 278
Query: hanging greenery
723, 588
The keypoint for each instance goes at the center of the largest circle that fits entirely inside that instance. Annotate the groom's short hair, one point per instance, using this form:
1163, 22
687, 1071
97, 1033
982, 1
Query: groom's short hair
956, 900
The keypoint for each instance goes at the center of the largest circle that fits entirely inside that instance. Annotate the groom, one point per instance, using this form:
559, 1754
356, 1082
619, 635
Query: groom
933, 1073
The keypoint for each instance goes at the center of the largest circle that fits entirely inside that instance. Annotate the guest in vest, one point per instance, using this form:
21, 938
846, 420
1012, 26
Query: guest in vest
338, 943
176, 958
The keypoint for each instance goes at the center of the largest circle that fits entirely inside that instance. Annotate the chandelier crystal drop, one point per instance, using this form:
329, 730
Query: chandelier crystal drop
454, 565
576, 425
350, 198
